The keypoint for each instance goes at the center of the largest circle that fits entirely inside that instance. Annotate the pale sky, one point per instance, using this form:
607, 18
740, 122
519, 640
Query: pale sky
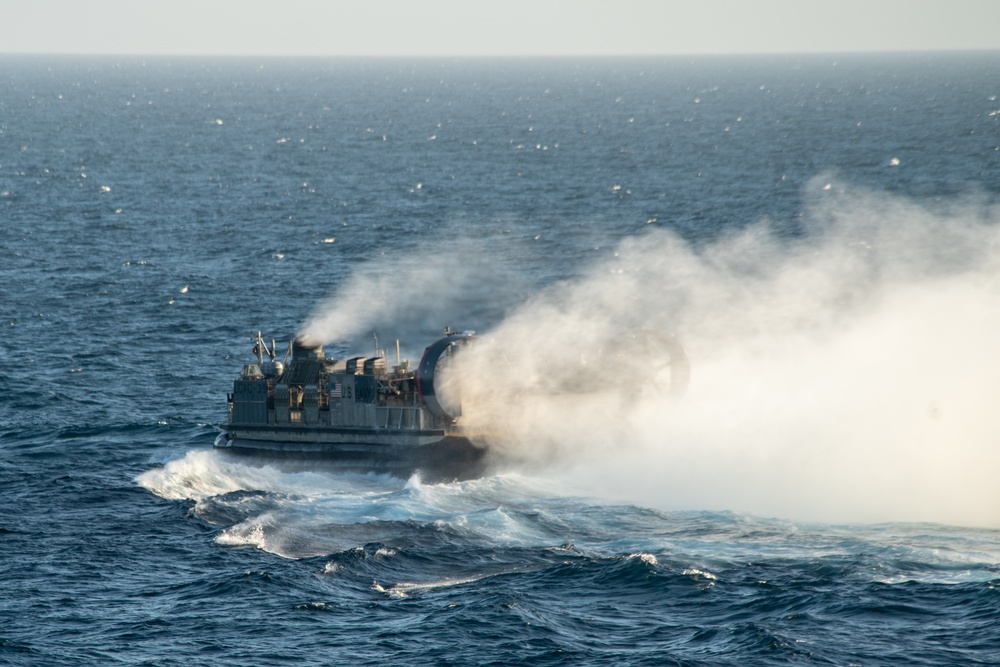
493, 27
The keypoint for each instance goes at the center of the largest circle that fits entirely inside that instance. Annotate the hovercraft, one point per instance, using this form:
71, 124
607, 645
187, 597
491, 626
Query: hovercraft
358, 413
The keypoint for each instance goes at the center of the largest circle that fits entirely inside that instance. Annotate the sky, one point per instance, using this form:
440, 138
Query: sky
494, 27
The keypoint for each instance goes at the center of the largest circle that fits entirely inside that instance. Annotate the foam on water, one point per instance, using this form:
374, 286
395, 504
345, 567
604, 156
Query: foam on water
300, 514
405, 589
202, 474
304, 514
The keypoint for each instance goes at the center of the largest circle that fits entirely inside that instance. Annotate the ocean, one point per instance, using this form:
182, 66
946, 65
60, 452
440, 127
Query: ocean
821, 233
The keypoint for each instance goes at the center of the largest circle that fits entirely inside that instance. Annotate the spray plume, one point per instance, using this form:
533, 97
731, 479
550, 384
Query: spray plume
415, 295
846, 373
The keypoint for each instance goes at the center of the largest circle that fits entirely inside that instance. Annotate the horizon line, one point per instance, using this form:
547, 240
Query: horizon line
504, 56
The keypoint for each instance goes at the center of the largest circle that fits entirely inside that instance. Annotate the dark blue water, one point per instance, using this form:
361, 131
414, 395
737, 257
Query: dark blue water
154, 214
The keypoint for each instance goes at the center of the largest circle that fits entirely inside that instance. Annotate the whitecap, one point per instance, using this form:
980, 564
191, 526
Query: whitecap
252, 534
403, 589
695, 573
648, 559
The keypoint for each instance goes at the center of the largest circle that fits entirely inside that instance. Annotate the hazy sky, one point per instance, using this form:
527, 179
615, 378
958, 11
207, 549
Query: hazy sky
494, 27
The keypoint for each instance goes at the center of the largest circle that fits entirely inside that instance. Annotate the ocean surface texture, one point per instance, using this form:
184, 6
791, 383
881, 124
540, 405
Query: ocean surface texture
820, 232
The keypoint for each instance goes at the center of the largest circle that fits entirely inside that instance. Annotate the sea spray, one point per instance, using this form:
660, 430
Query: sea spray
845, 372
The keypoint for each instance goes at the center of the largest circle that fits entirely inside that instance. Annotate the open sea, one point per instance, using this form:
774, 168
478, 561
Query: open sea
822, 233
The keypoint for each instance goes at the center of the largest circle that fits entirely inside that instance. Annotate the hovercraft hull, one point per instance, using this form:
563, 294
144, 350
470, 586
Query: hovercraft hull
436, 456
355, 413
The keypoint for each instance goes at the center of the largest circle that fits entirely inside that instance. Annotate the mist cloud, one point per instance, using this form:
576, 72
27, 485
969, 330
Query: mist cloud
414, 296
849, 372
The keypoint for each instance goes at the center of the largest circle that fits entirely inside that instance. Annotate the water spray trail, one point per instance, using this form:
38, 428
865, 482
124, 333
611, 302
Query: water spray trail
847, 373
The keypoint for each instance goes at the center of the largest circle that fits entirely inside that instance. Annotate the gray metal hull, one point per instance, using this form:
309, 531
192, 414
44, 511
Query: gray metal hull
435, 454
